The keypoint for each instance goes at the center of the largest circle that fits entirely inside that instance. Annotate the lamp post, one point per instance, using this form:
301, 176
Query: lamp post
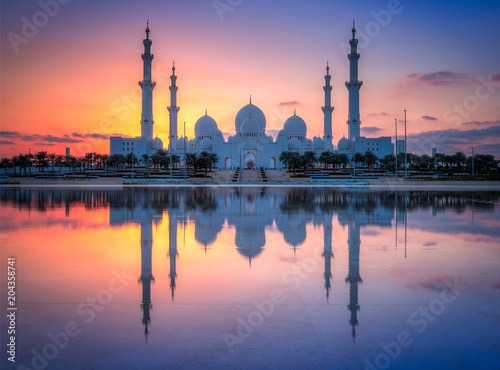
472, 160
184, 142
396, 145
406, 158
132, 164
29, 166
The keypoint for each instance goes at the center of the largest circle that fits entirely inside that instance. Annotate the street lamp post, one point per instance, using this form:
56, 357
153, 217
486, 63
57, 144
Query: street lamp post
132, 164
396, 145
472, 160
184, 142
406, 151
29, 166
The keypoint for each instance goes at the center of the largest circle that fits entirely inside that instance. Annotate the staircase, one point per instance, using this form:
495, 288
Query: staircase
263, 176
237, 175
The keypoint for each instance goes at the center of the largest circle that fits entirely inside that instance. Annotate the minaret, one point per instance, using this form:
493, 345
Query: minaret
146, 268
147, 87
353, 85
327, 110
173, 109
353, 277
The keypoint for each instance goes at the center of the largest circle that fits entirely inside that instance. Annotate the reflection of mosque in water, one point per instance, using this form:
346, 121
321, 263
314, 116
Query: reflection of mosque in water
250, 211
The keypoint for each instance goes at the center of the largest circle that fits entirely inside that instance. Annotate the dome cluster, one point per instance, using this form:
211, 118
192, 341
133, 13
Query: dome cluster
253, 111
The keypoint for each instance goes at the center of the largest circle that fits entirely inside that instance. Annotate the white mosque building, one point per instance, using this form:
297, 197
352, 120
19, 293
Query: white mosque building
251, 146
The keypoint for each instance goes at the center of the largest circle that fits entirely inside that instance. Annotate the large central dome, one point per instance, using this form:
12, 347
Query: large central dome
253, 111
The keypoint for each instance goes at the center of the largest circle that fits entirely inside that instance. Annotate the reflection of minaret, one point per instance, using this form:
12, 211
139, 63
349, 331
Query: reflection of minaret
328, 254
146, 269
353, 277
172, 249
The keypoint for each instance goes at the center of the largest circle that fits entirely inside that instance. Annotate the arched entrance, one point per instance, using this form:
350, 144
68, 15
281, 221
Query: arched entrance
250, 160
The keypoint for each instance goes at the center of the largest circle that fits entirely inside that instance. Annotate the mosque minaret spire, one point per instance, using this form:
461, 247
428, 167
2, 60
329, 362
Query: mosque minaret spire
147, 86
327, 110
173, 109
353, 86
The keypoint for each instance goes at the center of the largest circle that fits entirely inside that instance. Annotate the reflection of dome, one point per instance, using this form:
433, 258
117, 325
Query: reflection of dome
295, 237
294, 144
206, 144
250, 240
343, 144
318, 143
156, 143
205, 126
255, 112
295, 126
250, 126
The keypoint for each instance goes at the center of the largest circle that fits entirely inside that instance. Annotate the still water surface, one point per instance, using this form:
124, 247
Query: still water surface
252, 277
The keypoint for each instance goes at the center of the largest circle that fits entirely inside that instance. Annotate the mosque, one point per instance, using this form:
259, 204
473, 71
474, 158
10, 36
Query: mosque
251, 146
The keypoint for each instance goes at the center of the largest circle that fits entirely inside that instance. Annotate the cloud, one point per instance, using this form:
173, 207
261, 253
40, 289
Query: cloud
377, 114
37, 137
482, 123
92, 136
5, 142
495, 78
429, 118
288, 103
453, 140
441, 78
369, 130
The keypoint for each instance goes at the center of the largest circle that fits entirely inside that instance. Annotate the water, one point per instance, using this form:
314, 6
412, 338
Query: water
251, 277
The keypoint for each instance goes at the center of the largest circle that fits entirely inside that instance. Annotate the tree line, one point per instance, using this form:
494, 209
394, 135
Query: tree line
161, 159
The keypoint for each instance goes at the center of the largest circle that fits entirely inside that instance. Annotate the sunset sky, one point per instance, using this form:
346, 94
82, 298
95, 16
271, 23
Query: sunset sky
69, 73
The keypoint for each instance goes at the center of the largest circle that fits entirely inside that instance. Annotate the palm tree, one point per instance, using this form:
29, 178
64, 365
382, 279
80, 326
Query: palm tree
41, 160
325, 157
5, 163
358, 158
214, 159
285, 158
370, 159
58, 161
52, 157
145, 160
203, 160
190, 161
343, 160
295, 161
308, 159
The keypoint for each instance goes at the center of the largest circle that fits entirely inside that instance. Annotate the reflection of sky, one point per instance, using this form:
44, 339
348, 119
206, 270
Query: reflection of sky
214, 287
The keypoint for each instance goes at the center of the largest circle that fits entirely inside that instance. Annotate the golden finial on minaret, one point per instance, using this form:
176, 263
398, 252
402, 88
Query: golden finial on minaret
147, 26
353, 26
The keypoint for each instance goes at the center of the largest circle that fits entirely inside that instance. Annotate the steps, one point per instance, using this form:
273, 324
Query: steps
263, 176
237, 175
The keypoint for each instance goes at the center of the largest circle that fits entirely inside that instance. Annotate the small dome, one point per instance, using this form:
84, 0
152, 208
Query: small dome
318, 143
295, 126
245, 112
156, 143
206, 125
250, 126
206, 144
282, 133
294, 144
218, 133
343, 144
179, 144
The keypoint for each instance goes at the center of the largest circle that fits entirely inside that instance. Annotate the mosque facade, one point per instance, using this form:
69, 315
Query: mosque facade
251, 146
